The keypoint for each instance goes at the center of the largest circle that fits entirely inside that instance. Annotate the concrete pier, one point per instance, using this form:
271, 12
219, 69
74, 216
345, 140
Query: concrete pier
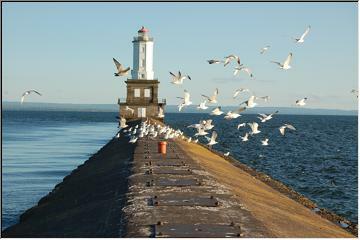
130, 190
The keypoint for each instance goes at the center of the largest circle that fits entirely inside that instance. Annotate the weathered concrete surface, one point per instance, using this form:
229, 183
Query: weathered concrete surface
282, 216
181, 199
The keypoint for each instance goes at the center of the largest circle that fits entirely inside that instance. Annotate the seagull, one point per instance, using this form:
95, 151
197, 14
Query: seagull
121, 70
27, 93
161, 113
216, 111
254, 128
226, 154
133, 139
356, 92
301, 39
237, 91
117, 135
301, 102
285, 65
234, 114
231, 57
245, 138
212, 99
123, 123
186, 99
201, 132
245, 69
282, 128
202, 105
178, 79
265, 142
214, 61
265, 98
208, 124
264, 49
241, 125
127, 108
250, 102
212, 139
189, 139
196, 141
265, 117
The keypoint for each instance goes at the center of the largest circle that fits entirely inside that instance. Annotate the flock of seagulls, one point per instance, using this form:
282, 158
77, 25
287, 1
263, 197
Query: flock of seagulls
202, 128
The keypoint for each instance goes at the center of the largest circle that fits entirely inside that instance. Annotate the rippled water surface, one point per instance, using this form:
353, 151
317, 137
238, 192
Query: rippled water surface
319, 159
40, 148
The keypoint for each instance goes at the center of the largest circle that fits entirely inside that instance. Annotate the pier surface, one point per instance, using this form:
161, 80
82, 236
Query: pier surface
130, 190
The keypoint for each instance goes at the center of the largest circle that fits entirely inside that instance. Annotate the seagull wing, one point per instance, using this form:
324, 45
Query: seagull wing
239, 110
172, 74
290, 126
35, 92
282, 130
213, 136
118, 65
186, 96
23, 98
206, 97
288, 59
305, 33
277, 63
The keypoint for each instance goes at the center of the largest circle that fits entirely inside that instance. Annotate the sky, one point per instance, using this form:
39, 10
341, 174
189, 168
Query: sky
65, 50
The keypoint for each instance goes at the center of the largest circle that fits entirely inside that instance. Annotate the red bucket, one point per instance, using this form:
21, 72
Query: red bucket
162, 147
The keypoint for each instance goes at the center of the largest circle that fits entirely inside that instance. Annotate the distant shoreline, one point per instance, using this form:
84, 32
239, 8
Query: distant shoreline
32, 106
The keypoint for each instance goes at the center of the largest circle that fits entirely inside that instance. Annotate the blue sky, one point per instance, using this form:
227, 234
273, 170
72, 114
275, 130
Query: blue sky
65, 50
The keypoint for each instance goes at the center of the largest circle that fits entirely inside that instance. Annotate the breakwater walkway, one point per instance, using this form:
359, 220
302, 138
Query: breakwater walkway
130, 190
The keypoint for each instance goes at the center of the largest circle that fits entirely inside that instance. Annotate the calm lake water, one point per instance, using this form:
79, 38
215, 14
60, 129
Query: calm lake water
319, 160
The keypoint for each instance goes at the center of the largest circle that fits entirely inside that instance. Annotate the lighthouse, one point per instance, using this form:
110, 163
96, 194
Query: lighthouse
142, 87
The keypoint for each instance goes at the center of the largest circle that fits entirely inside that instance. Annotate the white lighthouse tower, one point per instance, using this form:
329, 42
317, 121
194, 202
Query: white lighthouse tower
143, 56
142, 88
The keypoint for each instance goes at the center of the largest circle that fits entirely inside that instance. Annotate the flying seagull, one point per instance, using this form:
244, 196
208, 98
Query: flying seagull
265, 142
212, 139
237, 91
186, 100
213, 61
202, 105
178, 79
27, 93
254, 128
250, 102
226, 154
234, 114
264, 49
301, 102
216, 111
230, 58
245, 138
282, 128
212, 99
245, 69
121, 70
241, 125
301, 39
286, 64
265, 117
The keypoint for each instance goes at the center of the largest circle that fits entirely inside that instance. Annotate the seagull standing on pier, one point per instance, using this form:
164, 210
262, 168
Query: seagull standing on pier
123, 123
161, 113
286, 64
121, 71
27, 93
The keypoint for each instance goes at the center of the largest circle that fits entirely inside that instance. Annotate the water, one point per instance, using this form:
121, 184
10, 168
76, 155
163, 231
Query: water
319, 160
40, 148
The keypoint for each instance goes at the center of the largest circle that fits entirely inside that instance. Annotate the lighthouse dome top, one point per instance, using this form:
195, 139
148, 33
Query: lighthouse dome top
143, 30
